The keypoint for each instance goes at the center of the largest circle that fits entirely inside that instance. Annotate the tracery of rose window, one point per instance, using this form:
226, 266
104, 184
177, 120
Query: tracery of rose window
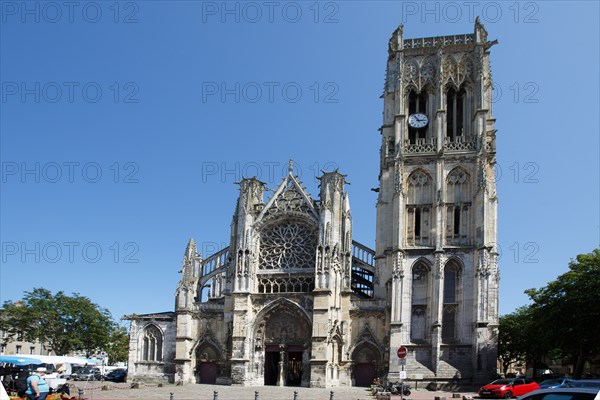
287, 246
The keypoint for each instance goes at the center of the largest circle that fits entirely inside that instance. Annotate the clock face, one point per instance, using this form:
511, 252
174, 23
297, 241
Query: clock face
418, 120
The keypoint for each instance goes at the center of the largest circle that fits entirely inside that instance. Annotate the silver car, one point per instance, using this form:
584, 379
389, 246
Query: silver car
87, 374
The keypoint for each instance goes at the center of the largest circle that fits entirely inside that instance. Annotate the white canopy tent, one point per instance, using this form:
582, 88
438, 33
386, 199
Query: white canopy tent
61, 359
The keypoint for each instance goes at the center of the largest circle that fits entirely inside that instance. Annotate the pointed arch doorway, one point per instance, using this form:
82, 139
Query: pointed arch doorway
284, 335
365, 358
207, 358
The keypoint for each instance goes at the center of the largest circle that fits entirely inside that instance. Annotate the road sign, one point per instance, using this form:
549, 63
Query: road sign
402, 361
402, 351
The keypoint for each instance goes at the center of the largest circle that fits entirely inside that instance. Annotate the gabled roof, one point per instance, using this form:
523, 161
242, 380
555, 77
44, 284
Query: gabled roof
289, 198
161, 315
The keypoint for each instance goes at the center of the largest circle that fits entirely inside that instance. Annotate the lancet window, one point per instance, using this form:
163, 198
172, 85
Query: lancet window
455, 113
458, 205
152, 344
451, 302
419, 303
419, 208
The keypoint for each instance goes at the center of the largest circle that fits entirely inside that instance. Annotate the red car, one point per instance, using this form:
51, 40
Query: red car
507, 388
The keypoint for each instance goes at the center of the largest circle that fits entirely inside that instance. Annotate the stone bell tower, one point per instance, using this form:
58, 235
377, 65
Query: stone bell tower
436, 249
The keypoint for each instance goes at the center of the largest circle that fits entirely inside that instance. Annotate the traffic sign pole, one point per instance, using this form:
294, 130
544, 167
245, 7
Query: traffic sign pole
401, 353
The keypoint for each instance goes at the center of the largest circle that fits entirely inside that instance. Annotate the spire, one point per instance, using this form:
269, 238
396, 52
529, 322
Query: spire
326, 198
399, 35
190, 260
191, 250
480, 32
291, 167
346, 203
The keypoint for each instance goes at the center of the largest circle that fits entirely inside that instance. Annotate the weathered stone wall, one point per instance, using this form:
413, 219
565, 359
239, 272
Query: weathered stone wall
146, 370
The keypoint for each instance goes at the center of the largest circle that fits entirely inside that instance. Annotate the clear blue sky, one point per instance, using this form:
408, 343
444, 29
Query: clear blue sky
124, 126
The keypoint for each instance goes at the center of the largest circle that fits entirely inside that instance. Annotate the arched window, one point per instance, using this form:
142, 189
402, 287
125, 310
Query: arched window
417, 103
451, 302
455, 113
458, 205
419, 303
419, 205
152, 343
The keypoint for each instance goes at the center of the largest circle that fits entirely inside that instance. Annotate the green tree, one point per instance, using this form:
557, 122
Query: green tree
117, 348
66, 323
521, 337
568, 310
513, 341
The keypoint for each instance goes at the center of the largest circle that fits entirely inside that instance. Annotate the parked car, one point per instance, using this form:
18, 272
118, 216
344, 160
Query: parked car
87, 374
587, 383
507, 388
557, 383
116, 375
573, 393
590, 376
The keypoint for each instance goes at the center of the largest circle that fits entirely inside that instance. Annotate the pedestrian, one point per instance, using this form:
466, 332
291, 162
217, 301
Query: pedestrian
37, 388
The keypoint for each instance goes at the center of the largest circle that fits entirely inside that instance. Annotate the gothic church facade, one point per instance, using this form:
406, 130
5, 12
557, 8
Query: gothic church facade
295, 300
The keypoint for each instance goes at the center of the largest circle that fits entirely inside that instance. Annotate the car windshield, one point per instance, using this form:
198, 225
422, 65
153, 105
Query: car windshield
502, 382
85, 371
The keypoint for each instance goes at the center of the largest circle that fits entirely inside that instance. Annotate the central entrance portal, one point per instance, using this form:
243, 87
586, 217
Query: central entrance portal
285, 331
292, 365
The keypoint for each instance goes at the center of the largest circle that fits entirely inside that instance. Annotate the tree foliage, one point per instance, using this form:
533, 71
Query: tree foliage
117, 347
569, 309
563, 319
513, 340
66, 323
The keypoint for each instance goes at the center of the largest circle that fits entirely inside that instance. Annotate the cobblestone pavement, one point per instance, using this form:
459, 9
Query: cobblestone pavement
122, 391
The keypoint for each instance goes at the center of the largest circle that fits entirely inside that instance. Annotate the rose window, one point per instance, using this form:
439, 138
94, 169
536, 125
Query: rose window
288, 246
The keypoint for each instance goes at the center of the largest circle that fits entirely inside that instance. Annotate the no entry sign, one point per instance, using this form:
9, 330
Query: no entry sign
402, 351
